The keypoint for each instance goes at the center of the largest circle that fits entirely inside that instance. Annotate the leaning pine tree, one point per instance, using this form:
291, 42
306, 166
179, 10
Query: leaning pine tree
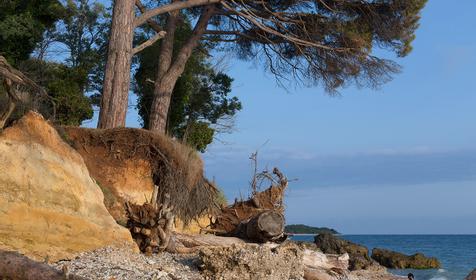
314, 41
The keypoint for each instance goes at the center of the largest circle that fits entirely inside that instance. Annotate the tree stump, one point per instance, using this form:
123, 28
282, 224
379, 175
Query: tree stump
151, 225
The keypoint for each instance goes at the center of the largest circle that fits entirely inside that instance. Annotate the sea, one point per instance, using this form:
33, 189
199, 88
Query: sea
457, 253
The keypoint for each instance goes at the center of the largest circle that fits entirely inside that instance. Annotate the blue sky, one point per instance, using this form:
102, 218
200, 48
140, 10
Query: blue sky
401, 159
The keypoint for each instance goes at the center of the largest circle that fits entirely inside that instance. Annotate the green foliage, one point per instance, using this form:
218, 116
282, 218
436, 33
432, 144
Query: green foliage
197, 135
303, 229
63, 84
200, 101
84, 32
72, 106
329, 42
22, 24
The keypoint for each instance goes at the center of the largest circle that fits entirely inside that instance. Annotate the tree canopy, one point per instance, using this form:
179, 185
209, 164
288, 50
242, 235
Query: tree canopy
328, 41
22, 24
331, 43
33, 29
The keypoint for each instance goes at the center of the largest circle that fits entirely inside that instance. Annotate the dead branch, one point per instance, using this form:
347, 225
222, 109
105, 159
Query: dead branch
13, 79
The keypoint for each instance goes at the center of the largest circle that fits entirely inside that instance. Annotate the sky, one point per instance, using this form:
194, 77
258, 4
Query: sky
397, 160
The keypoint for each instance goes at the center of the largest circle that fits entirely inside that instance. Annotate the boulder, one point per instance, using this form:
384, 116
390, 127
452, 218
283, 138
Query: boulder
358, 254
252, 261
471, 276
391, 259
50, 208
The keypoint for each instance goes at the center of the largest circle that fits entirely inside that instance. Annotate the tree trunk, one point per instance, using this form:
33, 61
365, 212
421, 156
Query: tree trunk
158, 117
11, 103
166, 80
117, 73
160, 105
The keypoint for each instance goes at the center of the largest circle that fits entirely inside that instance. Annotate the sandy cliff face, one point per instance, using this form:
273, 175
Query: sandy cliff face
124, 176
49, 205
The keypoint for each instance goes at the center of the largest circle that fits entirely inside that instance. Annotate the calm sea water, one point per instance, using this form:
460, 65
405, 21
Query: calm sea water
457, 253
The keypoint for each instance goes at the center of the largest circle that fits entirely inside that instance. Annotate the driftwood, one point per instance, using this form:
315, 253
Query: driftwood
265, 226
14, 266
13, 80
206, 240
233, 220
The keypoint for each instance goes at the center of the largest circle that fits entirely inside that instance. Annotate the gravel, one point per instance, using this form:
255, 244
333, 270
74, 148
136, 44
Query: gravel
112, 263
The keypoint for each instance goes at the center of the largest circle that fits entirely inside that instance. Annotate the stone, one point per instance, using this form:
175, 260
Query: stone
50, 208
391, 259
358, 254
252, 261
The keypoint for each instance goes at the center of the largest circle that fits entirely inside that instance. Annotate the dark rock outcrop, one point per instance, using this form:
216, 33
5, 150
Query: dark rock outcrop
471, 276
391, 259
358, 254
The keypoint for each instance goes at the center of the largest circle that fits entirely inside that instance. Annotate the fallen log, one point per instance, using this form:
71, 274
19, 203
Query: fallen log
261, 217
206, 240
14, 266
265, 226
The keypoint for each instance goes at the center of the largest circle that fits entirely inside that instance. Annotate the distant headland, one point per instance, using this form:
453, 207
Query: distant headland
304, 229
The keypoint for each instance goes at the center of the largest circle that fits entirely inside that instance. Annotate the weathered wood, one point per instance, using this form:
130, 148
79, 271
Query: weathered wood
11, 104
151, 225
233, 219
18, 267
153, 200
11, 79
265, 226
206, 240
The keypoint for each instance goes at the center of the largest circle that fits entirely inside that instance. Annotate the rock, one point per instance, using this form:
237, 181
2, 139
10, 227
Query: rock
358, 254
315, 259
396, 260
471, 276
50, 208
373, 275
251, 261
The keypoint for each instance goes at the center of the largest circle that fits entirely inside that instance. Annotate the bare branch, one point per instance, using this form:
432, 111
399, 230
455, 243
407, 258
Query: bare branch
152, 23
171, 7
149, 42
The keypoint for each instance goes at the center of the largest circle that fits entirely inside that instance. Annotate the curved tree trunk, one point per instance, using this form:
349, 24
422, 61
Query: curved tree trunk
117, 73
166, 80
